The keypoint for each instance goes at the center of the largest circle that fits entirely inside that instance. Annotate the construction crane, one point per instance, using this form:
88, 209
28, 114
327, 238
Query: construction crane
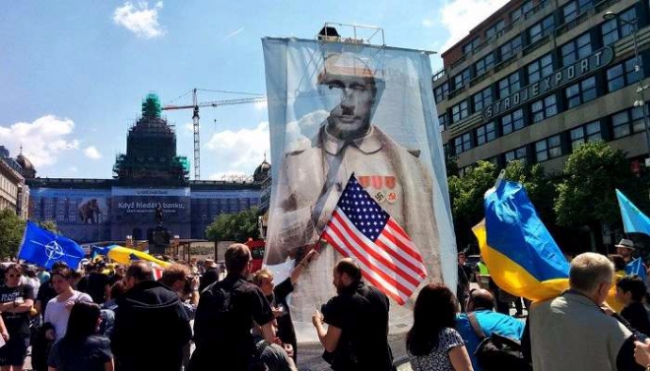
195, 117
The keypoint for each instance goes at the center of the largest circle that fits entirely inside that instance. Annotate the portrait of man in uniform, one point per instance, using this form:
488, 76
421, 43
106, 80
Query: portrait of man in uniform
314, 173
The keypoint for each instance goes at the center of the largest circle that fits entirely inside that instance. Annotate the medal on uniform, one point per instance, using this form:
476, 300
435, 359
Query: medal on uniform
391, 197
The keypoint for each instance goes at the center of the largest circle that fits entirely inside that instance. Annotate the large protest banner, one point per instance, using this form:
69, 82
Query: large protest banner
337, 109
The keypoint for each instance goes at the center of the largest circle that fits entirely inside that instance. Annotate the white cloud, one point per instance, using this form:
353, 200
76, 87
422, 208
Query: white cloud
139, 18
261, 105
243, 149
428, 23
42, 140
460, 16
234, 33
92, 153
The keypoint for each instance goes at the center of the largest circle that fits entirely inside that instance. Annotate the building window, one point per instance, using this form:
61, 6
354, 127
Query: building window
581, 92
586, 133
471, 45
459, 111
623, 74
576, 49
522, 11
544, 108
484, 64
495, 29
486, 133
548, 148
482, 99
441, 92
462, 143
621, 124
442, 121
461, 79
613, 30
509, 85
512, 121
627, 122
541, 29
510, 49
574, 9
540, 68
516, 154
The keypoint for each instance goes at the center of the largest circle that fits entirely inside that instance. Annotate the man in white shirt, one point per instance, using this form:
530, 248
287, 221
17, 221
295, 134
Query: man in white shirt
58, 309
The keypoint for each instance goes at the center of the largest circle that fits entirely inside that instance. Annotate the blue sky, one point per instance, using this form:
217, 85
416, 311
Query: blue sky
73, 73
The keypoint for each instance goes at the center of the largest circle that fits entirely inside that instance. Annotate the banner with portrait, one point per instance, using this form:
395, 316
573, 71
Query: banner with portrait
337, 109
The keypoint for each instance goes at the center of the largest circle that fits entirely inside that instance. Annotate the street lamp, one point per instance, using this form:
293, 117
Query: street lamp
640, 101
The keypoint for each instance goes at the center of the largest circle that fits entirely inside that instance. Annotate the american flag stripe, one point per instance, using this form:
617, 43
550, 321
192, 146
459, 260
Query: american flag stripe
398, 254
373, 276
403, 240
398, 264
361, 229
391, 240
361, 254
381, 258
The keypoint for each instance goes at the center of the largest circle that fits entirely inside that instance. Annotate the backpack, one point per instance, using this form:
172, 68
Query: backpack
496, 352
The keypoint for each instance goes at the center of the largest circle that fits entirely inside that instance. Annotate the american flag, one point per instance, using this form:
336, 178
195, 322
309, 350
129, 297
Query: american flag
156, 271
362, 230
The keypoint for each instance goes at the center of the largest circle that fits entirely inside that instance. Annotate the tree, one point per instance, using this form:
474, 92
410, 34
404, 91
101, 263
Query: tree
49, 225
466, 196
586, 195
11, 232
234, 227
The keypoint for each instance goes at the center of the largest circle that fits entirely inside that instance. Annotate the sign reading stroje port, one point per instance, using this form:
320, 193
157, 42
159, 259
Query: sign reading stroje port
559, 78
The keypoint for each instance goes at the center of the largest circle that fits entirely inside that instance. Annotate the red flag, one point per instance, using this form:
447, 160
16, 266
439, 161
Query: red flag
361, 229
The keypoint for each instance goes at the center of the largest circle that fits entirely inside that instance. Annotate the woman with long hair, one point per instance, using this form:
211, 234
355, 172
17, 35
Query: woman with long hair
433, 344
81, 349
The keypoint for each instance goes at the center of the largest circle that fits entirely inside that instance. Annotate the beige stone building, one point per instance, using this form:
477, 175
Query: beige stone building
12, 188
540, 77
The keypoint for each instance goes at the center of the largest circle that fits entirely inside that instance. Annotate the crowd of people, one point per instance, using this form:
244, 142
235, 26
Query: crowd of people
113, 317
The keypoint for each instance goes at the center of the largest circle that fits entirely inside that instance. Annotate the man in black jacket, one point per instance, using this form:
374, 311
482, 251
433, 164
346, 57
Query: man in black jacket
357, 336
151, 327
225, 315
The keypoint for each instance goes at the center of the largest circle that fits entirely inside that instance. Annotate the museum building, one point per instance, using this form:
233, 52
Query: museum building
148, 176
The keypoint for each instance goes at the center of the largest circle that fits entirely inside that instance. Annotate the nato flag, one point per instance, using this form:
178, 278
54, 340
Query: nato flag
44, 248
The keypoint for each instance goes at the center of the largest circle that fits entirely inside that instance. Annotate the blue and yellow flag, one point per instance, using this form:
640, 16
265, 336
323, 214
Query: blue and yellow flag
634, 221
523, 258
124, 255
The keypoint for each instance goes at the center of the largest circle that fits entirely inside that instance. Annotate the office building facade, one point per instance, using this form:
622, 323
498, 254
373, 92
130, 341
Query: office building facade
540, 77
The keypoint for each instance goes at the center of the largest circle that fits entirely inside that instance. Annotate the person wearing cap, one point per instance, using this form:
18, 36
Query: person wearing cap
625, 248
314, 173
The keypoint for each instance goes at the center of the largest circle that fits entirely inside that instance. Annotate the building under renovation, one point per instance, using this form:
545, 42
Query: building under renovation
150, 176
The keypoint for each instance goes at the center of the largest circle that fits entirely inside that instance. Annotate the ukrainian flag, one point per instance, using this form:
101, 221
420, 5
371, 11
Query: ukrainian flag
520, 253
124, 255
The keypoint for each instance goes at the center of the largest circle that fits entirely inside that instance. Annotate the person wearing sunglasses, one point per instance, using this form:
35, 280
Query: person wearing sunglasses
16, 302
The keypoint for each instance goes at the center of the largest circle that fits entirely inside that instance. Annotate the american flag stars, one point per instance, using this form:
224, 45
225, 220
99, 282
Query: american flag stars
361, 208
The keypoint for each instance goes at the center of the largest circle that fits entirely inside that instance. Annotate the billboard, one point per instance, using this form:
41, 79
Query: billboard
134, 211
83, 215
337, 109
